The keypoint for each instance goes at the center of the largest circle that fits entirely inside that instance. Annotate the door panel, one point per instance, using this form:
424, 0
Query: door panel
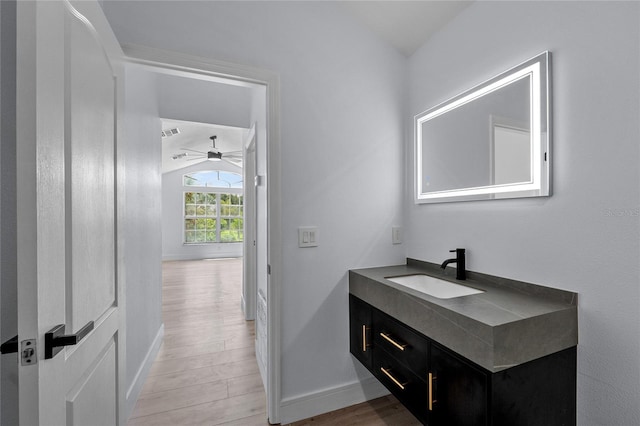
89, 157
460, 390
361, 331
66, 136
94, 386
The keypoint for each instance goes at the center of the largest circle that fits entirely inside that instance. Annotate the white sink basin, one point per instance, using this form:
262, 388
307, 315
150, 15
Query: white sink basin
434, 286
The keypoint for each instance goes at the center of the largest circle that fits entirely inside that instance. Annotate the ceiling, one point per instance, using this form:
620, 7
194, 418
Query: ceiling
406, 25
195, 137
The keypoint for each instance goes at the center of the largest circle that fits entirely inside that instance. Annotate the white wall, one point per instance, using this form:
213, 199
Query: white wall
342, 105
143, 226
342, 101
182, 98
586, 236
173, 247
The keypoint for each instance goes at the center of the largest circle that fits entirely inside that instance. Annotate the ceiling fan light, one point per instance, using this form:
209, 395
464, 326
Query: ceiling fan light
214, 156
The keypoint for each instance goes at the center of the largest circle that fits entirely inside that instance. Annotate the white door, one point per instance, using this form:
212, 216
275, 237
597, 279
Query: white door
67, 112
249, 277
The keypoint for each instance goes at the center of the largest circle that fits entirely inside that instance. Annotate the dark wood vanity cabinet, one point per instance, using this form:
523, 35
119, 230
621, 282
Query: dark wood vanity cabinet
460, 390
441, 387
360, 331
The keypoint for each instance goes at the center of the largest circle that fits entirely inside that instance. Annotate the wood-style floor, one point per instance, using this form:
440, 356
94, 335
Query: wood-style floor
206, 372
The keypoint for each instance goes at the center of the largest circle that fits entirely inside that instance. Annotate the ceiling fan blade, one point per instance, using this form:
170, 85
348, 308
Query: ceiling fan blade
193, 150
235, 163
196, 158
232, 152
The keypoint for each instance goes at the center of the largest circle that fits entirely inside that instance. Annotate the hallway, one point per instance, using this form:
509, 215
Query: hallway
206, 371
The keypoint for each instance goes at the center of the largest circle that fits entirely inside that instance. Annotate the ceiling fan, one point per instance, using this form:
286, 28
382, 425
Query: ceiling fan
214, 154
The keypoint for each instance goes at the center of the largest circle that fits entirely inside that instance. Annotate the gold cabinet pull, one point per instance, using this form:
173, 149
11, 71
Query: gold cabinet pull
393, 342
386, 372
431, 400
364, 338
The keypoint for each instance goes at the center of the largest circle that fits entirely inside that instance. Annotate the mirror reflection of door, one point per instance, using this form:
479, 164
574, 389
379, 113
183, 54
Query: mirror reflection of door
511, 155
511, 160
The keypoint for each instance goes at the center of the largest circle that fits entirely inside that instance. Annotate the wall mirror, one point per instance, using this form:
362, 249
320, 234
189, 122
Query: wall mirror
491, 141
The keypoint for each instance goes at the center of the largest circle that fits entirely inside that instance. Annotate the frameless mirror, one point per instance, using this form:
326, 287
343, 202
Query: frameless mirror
489, 142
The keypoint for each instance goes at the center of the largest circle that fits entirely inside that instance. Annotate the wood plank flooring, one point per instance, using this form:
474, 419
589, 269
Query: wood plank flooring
385, 411
206, 372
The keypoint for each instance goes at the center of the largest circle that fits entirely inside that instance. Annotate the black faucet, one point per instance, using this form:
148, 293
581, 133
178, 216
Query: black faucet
461, 273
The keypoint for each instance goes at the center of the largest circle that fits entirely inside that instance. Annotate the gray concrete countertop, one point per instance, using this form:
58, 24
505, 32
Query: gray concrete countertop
510, 323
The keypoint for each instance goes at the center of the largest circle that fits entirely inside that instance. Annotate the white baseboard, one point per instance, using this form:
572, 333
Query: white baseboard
206, 251
248, 316
324, 401
231, 254
141, 376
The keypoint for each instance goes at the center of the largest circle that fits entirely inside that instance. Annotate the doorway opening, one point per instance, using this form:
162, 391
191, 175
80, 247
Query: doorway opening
261, 256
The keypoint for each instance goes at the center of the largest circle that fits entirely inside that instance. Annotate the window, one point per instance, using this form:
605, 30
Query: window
230, 218
213, 179
211, 217
213, 213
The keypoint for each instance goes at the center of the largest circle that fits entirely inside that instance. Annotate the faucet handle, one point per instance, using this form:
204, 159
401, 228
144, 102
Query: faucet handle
457, 250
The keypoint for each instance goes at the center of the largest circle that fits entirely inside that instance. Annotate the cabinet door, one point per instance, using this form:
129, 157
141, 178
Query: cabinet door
459, 390
360, 337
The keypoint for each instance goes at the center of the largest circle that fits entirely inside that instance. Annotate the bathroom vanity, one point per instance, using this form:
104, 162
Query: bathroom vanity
505, 354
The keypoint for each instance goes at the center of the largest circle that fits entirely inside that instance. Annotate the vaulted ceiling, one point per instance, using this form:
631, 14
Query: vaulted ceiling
406, 25
190, 145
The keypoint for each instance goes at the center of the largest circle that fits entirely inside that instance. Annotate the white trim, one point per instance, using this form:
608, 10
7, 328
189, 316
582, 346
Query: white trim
218, 255
180, 64
243, 305
250, 135
331, 399
189, 66
141, 375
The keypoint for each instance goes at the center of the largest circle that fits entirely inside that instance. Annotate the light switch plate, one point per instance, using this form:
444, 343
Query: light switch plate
396, 235
308, 236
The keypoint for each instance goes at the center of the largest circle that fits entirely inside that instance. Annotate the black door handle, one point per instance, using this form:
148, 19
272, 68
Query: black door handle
10, 346
55, 339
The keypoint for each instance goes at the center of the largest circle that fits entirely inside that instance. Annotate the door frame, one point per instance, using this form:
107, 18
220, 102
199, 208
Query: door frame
189, 66
8, 215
